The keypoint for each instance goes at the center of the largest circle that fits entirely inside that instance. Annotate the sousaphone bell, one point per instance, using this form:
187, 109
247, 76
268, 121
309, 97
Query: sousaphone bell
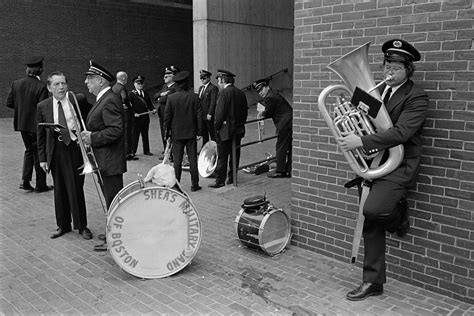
207, 160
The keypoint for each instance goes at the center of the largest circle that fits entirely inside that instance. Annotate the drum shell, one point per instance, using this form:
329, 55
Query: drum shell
267, 229
152, 231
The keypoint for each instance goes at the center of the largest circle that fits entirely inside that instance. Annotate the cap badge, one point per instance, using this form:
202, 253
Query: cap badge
397, 44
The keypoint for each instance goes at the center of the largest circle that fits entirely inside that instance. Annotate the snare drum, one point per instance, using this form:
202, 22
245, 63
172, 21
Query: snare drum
152, 231
263, 227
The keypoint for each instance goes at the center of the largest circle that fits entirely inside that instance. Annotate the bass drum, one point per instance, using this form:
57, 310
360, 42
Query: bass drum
267, 228
152, 231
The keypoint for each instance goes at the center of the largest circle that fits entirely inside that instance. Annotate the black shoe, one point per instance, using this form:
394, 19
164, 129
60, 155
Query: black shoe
278, 175
230, 181
161, 158
101, 237
365, 290
216, 185
404, 226
26, 186
195, 188
101, 247
44, 189
59, 232
148, 154
86, 233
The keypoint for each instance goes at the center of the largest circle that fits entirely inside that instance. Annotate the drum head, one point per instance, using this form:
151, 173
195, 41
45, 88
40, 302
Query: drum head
275, 232
207, 161
153, 232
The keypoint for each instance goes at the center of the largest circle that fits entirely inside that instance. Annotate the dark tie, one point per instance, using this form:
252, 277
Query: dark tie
62, 120
202, 92
387, 96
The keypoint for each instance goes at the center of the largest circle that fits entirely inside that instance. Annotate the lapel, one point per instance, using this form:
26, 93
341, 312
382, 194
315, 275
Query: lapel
95, 107
49, 114
397, 98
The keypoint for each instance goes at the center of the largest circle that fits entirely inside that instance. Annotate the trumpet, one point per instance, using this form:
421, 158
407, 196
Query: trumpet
90, 163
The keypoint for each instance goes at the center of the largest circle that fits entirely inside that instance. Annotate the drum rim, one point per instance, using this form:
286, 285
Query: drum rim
261, 228
190, 258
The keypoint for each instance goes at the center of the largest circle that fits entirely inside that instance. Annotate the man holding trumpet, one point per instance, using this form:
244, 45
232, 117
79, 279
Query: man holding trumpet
59, 152
385, 208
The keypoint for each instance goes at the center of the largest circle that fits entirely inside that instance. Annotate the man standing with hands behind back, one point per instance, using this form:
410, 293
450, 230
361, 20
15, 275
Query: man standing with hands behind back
24, 95
120, 89
59, 152
208, 98
104, 133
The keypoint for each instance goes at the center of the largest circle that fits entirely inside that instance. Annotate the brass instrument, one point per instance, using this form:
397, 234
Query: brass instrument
207, 160
354, 69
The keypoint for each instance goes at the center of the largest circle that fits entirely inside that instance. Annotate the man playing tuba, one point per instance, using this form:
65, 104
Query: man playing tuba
385, 208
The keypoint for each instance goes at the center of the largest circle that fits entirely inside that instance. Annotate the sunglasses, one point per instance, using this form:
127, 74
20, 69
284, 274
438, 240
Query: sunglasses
203, 77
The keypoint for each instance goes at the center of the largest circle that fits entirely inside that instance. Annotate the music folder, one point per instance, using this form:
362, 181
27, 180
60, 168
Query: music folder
364, 97
51, 125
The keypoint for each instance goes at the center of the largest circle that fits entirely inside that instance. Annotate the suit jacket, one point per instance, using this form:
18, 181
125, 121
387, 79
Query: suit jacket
140, 104
46, 136
208, 100
105, 122
279, 110
121, 91
24, 95
231, 113
407, 108
162, 99
182, 115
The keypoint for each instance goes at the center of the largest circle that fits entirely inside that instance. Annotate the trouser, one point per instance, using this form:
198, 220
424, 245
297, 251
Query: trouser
178, 152
140, 127
31, 160
224, 152
208, 131
68, 186
380, 212
111, 185
284, 151
128, 122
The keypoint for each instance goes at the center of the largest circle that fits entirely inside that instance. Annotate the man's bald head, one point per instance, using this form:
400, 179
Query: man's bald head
122, 77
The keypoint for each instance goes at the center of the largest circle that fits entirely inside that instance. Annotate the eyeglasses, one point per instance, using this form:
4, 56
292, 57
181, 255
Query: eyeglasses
394, 69
166, 76
139, 82
203, 77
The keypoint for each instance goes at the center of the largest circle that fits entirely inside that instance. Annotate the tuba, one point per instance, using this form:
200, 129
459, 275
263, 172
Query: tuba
342, 116
207, 160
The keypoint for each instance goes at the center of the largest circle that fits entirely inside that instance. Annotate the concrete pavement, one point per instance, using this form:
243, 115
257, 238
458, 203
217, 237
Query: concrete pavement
64, 276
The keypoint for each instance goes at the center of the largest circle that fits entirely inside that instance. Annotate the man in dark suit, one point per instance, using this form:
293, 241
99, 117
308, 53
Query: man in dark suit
231, 115
162, 96
385, 208
141, 103
120, 89
183, 125
59, 152
281, 112
208, 98
104, 133
24, 95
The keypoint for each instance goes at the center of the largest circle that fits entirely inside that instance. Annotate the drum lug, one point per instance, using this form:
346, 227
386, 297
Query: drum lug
140, 180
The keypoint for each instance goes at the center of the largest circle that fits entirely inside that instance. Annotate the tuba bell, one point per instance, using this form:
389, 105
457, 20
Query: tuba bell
207, 160
342, 116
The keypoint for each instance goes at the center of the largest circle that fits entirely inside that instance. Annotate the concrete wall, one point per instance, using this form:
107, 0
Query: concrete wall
252, 39
140, 37
438, 253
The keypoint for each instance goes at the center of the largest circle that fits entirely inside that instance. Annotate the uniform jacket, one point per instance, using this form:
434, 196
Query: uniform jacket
182, 115
162, 99
105, 122
208, 100
277, 108
24, 95
46, 136
140, 104
407, 108
231, 113
121, 91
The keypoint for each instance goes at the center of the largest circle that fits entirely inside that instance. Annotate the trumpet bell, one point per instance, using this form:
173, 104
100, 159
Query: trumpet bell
207, 160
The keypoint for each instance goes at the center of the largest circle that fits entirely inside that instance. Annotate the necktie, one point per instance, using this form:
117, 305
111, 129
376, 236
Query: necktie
387, 96
202, 92
141, 94
62, 120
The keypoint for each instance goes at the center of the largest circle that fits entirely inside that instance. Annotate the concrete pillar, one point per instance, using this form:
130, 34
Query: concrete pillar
251, 38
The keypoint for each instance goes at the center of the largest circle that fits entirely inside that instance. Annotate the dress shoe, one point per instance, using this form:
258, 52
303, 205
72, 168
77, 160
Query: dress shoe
148, 154
44, 189
59, 232
216, 185
101, 237
26, 186
365, 290
278, 175
195, 188
161, 158
229, 181
101, 247
86, 233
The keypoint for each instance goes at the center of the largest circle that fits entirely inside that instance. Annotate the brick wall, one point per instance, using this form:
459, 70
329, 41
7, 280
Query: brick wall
438, 253
140, 38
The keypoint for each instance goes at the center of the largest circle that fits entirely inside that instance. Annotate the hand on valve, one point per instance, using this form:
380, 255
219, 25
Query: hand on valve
349, 141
